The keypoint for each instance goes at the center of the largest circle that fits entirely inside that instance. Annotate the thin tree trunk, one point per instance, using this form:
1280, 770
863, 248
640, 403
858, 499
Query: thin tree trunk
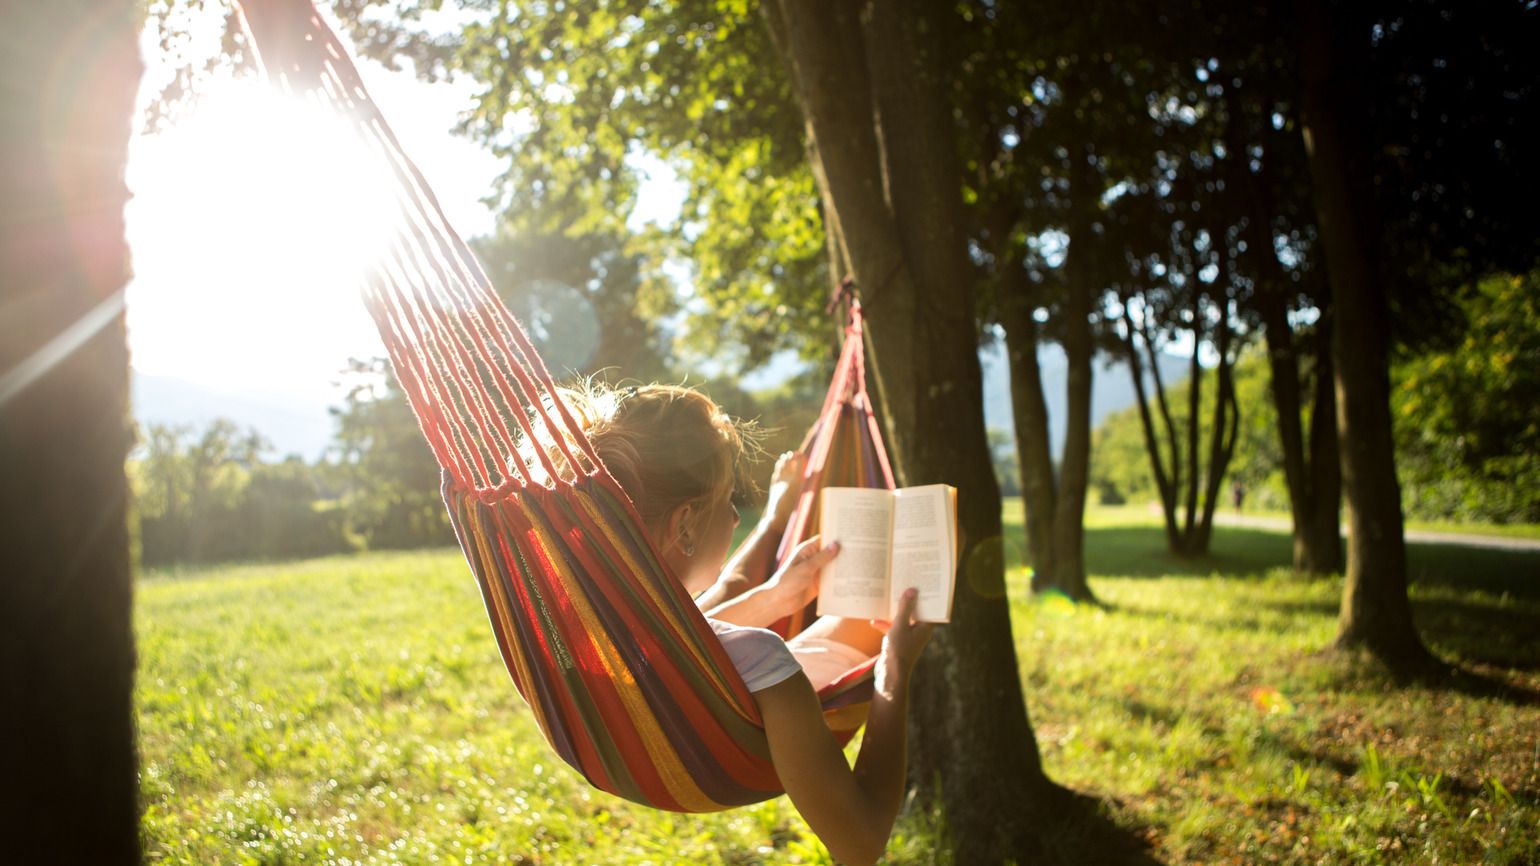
1029, 412
1151, 436
884, 139
1375, 612
1069, 575
1172, 440
1318, 548
67, 758
1314, 479
1194, 401
1283, 367
1224, 426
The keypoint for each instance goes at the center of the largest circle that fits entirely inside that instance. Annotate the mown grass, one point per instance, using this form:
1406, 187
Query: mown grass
1452, 527
354, 709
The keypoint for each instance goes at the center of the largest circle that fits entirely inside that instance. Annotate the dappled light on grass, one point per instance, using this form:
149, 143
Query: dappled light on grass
1269, 700
253, 223
1053, 602
356, 707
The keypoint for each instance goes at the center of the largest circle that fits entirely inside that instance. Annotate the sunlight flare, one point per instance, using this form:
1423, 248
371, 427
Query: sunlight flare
253, 223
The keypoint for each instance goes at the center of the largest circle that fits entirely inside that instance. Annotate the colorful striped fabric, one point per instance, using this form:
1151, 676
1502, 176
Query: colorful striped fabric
843, 448
621, 670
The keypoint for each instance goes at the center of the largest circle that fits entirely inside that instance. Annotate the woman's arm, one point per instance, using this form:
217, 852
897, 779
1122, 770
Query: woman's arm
851, 811
751, 563
782, 595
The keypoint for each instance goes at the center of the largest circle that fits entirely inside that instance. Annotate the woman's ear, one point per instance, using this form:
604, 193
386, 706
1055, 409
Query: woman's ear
680, 522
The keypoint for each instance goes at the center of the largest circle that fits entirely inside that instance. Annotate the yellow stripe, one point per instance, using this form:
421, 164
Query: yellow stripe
502, 603
700, 660
675, 778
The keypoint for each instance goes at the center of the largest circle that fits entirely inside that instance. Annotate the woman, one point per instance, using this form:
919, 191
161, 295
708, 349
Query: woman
680, 459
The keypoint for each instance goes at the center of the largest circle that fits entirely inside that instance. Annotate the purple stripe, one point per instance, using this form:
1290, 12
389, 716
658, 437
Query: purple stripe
706, 772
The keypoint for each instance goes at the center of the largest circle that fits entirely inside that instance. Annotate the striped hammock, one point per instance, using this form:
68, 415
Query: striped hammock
622, 672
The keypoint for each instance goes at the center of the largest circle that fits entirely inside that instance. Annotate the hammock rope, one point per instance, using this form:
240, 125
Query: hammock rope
623, 674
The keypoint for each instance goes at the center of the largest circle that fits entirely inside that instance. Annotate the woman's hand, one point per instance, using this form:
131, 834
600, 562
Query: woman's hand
785, 489
797, 581
904, 642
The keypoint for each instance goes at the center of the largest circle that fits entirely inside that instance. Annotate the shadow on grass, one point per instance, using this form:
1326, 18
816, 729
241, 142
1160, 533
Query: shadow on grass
1466, 568
1470, 631
1140, 551
1081, 830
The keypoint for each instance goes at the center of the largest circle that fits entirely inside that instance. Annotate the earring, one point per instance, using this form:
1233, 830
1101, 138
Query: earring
687, 547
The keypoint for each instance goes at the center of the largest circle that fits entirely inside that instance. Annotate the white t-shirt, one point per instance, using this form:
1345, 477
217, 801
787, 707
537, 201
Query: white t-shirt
759, 654
763, 659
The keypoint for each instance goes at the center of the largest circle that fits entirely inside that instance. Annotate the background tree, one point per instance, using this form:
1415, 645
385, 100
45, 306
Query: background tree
1467, 424
1390, 102
67, 736
860, 77
208, 495
1030, 105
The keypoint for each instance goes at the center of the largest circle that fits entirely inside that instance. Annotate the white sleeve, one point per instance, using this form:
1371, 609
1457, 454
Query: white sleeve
759, 655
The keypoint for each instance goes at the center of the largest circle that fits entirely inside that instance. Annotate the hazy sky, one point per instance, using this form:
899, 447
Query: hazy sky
249, 217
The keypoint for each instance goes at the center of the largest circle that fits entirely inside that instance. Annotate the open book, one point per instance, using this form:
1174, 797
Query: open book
889, 541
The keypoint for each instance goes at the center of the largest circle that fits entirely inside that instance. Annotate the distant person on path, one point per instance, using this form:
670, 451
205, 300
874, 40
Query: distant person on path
1237, 495
679, 457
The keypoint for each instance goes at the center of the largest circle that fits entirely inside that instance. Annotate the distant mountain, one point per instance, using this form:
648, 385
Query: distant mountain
295, 422
1112, 388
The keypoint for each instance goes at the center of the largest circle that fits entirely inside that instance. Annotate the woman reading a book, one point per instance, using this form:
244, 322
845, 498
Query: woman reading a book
680, 459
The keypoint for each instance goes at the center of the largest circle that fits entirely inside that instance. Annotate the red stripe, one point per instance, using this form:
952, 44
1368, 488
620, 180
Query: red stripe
601, 688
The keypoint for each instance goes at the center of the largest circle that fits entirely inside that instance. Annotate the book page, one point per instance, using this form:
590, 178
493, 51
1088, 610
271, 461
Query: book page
855, 584
923, 552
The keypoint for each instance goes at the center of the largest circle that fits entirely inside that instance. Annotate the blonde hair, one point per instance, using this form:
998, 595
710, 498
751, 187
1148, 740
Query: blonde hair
667, 446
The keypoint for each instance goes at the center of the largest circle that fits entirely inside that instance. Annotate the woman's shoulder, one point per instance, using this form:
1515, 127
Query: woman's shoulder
759, 654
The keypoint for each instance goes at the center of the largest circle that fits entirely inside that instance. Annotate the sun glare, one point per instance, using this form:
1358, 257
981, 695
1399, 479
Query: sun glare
253, 222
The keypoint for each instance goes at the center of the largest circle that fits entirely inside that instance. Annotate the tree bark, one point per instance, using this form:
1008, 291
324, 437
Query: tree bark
1310, 467
1375, 613
884, 137
1069, 574
1163, 484
1223, 426
67, 757
1029, 411
1313, 476
1318, 547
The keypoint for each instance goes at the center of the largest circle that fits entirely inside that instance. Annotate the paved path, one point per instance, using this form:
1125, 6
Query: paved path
1494, 542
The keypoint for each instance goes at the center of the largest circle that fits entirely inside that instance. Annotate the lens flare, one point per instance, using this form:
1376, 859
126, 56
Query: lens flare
1055, 603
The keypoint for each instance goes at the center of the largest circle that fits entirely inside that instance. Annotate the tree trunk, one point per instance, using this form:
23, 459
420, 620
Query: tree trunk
1283, 369
1224, 425
1029, 411
67, 759
1314, 480
1375, 612
884, 138
1163, 483
1069, 574
1194, 401
1318, 546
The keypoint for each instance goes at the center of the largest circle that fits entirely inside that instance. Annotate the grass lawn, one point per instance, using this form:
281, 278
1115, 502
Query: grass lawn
1496, 530
354, 709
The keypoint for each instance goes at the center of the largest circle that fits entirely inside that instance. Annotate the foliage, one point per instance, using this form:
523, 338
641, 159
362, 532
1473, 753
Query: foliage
1002, 449
207, 496
1122, 466
581, 102
356, 708
391, 481
1468, 427
587, 299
